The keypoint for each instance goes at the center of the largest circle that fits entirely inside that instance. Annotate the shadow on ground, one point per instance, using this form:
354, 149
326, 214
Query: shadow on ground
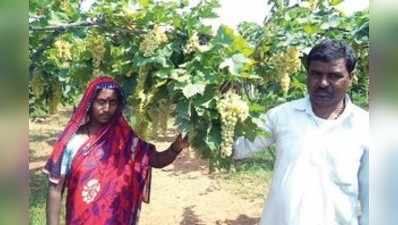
241, 220
189, 217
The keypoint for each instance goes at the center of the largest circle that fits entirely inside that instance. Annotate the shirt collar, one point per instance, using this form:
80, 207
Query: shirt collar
305, 106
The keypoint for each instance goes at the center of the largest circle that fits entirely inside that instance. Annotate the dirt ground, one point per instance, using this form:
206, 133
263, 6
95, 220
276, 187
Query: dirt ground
183, 193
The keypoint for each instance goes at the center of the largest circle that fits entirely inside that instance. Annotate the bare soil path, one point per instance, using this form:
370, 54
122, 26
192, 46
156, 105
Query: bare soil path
183, 193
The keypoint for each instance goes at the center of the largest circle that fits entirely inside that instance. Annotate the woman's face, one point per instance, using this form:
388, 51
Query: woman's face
104, 106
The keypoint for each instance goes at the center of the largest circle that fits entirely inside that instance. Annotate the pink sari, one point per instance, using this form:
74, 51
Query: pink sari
110, 174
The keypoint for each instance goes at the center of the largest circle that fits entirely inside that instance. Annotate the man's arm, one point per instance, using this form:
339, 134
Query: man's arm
363, 178
54, 200
244, 148
164, 158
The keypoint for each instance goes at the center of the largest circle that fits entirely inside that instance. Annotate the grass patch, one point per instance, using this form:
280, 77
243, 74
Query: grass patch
37, 198
252, 177
38, 188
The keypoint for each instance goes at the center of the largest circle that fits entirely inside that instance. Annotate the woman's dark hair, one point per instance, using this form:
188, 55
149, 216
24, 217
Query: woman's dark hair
328, 50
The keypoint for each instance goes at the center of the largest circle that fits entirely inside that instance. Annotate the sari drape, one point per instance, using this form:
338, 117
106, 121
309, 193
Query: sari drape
110, 173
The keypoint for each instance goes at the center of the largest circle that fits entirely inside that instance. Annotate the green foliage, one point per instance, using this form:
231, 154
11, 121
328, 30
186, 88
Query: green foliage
302, 26
163, 54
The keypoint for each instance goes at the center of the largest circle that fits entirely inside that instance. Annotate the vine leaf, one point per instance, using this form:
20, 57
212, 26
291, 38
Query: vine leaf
192, 89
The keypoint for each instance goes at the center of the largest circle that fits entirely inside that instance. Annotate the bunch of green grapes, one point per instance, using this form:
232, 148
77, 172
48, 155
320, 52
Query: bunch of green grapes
140, 88
61, 54
159, 118
63, 49
285, 64
193, 44
56, 95
96, 45
313, 4
79, 47
152, 41
232, 109
284, 82
292, 60
37, 85
65, 6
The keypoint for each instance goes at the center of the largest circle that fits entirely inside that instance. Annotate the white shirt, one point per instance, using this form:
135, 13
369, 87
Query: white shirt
321, 167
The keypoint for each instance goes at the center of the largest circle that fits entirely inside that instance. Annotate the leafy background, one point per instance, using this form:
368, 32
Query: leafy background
174, 68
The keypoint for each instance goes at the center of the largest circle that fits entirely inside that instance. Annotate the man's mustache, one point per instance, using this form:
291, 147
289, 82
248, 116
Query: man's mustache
323, 92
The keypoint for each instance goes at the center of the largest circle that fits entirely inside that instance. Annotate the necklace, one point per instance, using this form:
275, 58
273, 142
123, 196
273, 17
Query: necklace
339, 111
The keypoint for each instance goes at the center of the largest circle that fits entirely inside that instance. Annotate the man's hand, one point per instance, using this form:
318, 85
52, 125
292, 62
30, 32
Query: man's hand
180, 143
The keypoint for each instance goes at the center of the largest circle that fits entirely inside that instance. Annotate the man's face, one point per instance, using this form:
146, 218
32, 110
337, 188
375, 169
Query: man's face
328, 82
104, 106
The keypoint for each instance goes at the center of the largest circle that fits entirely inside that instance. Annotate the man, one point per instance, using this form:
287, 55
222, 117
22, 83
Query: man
105, 166
320, 175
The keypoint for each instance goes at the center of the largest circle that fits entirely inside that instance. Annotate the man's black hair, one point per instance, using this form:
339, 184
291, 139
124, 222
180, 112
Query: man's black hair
328, 50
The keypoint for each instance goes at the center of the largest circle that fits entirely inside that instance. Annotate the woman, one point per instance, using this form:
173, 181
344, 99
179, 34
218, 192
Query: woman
105, 166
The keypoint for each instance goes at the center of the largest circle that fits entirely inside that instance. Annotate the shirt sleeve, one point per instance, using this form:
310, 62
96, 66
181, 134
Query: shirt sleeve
244, 148
363, 177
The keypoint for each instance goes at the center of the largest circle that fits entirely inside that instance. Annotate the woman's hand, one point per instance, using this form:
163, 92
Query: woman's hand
180, 143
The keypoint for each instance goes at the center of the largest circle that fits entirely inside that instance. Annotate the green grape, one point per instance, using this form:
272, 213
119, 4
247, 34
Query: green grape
55, 98
153, 40
313, 4
61, 53
232, 109
284, 81
140, 88
192, 44
63, 49
66, 6
96, 45
286, 63
292, 60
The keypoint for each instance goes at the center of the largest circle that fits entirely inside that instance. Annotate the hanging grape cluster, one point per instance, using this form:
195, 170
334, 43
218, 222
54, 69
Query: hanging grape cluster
285, 64
63, 49
141, 126
140, 88
96, 45
37, 85
193, 44
232, 109
61, 54
313, 4
79, 47
160, 117
152, 40
66, 6
56, 95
